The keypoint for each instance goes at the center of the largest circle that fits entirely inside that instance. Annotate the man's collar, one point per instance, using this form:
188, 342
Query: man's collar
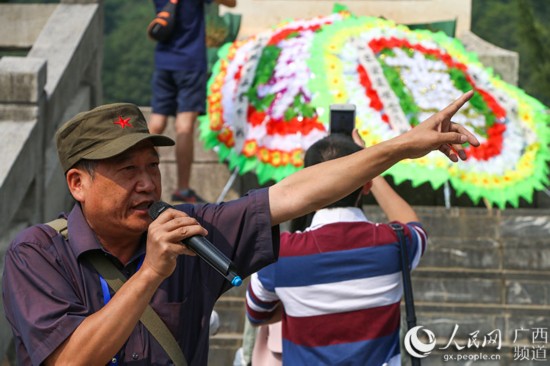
81, 236
327, 216
83, 239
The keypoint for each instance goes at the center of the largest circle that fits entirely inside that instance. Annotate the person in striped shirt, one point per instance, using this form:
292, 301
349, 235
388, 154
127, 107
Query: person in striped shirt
337, 284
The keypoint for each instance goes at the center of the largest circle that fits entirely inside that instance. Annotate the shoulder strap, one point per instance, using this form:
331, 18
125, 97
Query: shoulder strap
60, 225
149, 318
406, 272
407, 283
115, 279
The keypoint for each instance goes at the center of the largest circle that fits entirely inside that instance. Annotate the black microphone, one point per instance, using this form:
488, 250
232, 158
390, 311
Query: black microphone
203, 248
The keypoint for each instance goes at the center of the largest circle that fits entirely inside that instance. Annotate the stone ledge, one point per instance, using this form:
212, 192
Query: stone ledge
14, 112
476, 254
67, 50
15, 136
453, 272
20, 156
428, 307
458, 290
504, 62
525, 226
22, 79
232, 315
207, 179
20, 24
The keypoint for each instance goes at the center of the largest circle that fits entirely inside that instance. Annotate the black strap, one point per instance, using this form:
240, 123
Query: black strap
407, 284
115, 280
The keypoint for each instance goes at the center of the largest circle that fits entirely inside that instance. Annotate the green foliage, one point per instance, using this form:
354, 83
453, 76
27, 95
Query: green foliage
128, 52
535, 36
521, 26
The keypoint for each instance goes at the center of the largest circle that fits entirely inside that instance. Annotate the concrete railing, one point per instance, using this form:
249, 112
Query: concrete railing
58, 77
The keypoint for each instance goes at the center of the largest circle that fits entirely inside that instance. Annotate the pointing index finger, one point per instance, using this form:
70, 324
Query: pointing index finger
452, 108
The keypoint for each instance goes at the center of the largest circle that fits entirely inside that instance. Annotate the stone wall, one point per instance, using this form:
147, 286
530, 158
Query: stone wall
483, 270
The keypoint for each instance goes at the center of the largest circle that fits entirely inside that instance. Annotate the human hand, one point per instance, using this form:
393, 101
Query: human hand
357, 138
439, 133
164, 240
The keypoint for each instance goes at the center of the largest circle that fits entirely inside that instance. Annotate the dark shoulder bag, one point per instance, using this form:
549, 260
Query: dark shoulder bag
160, 29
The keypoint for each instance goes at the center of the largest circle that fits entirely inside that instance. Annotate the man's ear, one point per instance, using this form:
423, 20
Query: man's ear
367, 187
76, 181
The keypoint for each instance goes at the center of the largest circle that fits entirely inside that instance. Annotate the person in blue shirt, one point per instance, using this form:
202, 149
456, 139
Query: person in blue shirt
179, 85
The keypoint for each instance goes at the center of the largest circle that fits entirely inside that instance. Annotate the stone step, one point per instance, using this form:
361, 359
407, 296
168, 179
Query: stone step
475, 300
231, 311
441, 319
223, 347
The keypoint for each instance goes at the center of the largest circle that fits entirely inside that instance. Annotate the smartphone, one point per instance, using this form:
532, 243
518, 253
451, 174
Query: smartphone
342, 118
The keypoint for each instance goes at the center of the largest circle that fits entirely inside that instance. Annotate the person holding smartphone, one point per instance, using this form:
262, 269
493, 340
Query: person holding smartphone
337, 284
342, 119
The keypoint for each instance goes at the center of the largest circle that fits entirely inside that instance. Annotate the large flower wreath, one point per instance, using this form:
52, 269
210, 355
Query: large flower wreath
269, 95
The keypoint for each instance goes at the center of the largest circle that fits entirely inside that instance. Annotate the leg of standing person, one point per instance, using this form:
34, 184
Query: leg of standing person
157, 123
182, 94
185, 127
191, 98
163, 103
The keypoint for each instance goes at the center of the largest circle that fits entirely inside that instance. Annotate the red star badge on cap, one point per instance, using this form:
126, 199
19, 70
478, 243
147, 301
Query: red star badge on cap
123, 122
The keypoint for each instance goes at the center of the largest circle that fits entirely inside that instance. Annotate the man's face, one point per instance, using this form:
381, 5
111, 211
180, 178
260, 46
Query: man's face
115, 200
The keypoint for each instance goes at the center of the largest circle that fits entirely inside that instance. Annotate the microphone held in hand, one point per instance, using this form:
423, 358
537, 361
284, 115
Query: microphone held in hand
203, 248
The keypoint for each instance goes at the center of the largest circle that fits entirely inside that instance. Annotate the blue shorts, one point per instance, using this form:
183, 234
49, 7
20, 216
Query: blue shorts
178, 91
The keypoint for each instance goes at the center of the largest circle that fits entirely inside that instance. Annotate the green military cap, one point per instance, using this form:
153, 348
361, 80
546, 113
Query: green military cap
103, 132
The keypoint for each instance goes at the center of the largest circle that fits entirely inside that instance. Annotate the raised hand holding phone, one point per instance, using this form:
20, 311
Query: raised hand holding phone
342, 118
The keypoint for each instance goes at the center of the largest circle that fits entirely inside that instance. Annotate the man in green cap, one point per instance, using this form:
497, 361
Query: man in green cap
61, 309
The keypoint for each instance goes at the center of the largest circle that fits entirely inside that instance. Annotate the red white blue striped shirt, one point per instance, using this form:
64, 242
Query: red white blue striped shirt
340, 284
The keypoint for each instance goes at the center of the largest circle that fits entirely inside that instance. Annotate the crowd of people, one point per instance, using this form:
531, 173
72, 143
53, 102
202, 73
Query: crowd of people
323, 282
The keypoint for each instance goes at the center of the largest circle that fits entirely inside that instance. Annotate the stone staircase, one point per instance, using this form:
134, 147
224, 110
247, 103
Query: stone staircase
484, 270
230, 308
